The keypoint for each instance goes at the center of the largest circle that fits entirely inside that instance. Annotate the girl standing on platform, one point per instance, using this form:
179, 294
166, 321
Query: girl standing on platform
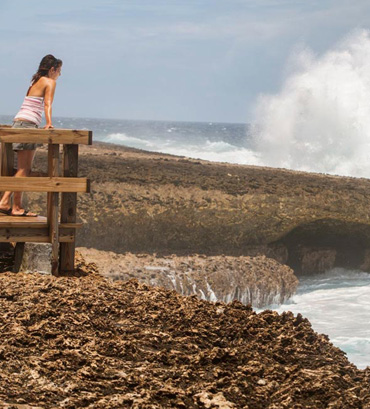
39, 98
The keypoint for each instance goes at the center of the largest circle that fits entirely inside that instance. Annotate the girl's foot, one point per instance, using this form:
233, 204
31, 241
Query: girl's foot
23, 213
4, 210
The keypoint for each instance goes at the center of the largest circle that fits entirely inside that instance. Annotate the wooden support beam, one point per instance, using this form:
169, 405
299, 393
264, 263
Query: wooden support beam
53, 208
7, 159
34, 235
67, 237
48, 184
49, 136
68, 207
19, 234
70, 225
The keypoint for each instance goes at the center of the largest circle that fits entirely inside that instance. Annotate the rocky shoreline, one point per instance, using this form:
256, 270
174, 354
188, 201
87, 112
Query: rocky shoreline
170, 208
88, 342
258, 281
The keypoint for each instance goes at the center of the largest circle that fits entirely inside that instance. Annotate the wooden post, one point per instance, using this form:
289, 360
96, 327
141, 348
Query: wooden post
7, 159
68, 207
53, 207
7, 169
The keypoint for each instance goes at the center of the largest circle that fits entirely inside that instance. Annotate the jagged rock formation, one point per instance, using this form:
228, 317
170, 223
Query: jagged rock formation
86, 342
157, 203
251, 280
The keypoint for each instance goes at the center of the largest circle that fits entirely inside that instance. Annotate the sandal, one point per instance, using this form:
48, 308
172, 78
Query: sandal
8, 212
25, 214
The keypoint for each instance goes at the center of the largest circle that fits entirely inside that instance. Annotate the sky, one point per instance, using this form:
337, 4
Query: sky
185, 60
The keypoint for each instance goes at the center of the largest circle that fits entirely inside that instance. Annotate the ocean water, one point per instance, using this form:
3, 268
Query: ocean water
224, 142
337, 303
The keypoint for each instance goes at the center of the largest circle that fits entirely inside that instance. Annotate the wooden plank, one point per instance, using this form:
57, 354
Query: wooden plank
10, 221
9, 235
5, 126
49, 136
67, 237
19, 221
33, 222
69, 207
7, 159
71, 225
24, 224
33, 235
49, 184
53, 208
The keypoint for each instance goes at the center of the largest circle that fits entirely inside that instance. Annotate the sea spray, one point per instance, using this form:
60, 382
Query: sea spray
320, 120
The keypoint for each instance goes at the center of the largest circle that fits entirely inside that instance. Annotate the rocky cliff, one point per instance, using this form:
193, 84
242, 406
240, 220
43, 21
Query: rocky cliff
86, 342
258, 281
157, 203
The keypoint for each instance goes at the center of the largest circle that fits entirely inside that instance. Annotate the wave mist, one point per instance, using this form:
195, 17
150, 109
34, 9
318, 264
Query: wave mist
320, 121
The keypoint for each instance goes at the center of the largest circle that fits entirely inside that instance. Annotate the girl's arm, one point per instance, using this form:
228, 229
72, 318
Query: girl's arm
48, 101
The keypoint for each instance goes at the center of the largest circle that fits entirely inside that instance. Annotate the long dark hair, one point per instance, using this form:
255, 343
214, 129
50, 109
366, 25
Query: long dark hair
49, 61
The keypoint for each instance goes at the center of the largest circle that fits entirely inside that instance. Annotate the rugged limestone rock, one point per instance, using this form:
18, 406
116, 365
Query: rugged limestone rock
86, 342
36, 258
157, 203
251, 280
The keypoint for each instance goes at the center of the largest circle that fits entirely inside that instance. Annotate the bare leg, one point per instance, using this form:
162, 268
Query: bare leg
5, 201
25, 159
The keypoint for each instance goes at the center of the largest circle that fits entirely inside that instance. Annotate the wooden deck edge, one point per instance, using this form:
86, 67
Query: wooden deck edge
39, 225
44, 184
46, 136
33, 235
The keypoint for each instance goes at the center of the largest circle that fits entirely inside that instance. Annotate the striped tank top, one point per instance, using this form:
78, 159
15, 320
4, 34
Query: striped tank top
31, 110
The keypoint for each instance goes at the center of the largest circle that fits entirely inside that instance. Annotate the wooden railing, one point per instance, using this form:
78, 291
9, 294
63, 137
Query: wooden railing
60, 224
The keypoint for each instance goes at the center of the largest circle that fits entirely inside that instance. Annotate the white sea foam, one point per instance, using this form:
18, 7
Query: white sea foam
320, 120
337, 304
218, 151
121, 138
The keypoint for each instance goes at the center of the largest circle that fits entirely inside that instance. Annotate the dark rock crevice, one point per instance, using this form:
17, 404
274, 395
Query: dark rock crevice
324, 244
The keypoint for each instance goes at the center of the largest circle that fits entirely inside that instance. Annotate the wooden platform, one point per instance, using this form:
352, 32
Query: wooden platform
33, 229
20, 221
32, 222
61, 184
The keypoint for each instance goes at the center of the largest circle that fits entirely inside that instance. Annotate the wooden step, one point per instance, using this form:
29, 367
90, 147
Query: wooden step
32, 222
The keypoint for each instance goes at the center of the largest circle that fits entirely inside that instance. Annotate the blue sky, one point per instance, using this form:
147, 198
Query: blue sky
190, 60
